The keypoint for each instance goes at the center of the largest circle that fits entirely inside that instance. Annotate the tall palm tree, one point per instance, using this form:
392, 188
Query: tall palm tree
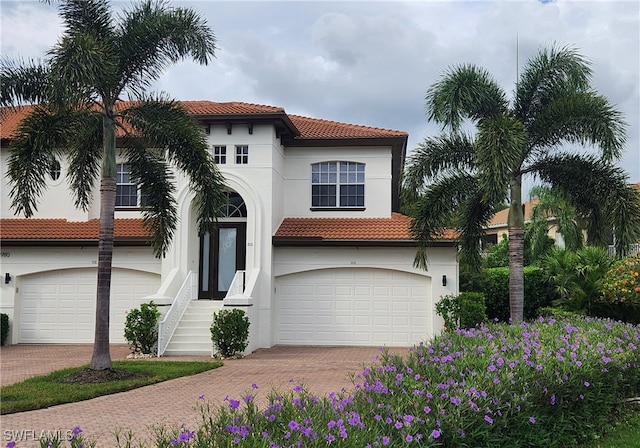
456, 178
78, 109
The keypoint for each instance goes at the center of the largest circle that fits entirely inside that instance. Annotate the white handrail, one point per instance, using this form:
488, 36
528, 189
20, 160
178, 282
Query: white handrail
169, 323
634, 249
237, 285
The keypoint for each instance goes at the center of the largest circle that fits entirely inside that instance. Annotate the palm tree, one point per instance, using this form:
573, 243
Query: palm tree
552, 204
78, 109
457, 178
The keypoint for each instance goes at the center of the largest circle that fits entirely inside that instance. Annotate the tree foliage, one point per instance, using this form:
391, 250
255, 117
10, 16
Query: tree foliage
457, 178
78, 112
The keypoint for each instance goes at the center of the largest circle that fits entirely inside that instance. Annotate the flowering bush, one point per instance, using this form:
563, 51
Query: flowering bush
230, 332
621, 284
548, 383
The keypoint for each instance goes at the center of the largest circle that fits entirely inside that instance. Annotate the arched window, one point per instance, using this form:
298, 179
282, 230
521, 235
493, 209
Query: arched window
235, 206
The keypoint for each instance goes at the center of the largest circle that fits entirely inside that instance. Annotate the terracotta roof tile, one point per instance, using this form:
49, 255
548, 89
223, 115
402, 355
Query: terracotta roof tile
61, 229
309, 128
395, 228
325, 129
500, 218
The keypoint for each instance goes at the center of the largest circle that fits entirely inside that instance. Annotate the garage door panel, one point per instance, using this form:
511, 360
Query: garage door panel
59, 306
361, 306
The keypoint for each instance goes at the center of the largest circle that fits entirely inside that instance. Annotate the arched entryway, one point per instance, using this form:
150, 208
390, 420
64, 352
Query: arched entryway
223, 252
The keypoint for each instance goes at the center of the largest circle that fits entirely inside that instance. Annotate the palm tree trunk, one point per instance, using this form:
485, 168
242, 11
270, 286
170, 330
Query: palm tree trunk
101, 358
516, 251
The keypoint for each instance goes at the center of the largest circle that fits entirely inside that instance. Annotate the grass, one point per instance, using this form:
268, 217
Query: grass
49, 390
625, 435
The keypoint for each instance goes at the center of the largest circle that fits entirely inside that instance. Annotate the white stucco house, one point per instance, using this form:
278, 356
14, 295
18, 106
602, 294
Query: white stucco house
312, 246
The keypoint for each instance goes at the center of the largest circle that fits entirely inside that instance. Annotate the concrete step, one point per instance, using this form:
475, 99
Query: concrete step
193, 335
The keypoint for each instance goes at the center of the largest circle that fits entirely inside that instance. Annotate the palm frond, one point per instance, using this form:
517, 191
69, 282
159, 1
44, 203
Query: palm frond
436, 210
84, 149
601, 194
580, 117
166, 125
86, 16
547, 76
152, 35
435, 156
501, 146
39, 137
159, 207
465, 91
22, 82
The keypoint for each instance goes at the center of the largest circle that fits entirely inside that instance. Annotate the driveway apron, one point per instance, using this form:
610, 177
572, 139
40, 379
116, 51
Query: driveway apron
321, 370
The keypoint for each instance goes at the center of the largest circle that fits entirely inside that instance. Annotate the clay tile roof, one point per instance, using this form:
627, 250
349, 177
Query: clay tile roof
60, 229
395, 228
309, 128
317, 128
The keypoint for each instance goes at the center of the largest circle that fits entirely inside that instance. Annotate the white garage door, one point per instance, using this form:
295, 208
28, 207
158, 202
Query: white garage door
59, 306
355, 306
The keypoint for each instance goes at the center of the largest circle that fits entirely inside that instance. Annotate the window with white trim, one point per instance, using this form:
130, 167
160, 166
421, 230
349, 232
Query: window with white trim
337, 184
242, 154
126, 187
220, 154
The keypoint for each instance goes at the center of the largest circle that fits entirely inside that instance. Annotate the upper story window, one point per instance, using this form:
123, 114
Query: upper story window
337, 184
242, 154
55, 170
220, 154
126, 187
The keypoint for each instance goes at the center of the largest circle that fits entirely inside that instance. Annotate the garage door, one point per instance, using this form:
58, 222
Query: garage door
59, 306
355, 306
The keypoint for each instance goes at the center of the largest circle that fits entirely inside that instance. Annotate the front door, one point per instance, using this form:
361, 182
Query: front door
222, 253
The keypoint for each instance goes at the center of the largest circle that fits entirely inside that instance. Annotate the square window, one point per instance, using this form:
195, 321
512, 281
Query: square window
337, 184
242, 154
220, 154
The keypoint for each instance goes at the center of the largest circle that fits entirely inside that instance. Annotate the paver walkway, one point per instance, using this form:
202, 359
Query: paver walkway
320, 369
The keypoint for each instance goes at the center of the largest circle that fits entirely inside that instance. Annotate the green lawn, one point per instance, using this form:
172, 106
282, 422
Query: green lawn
67, 386
625, 435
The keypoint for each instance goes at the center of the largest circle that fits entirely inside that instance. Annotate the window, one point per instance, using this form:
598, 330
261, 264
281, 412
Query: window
235, 206
242, 154
55, 170
337, 184
220, 154
126, 187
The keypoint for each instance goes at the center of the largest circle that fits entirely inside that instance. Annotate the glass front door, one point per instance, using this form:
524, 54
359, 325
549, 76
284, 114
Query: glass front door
222, 253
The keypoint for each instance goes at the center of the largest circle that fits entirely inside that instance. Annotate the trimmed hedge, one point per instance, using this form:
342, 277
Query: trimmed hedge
494, 284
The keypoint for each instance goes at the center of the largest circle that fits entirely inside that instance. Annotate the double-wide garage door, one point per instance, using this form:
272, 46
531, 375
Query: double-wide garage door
352, 306
59, 306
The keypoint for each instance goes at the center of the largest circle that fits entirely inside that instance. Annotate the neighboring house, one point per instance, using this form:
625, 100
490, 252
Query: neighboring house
497, 227
312, 245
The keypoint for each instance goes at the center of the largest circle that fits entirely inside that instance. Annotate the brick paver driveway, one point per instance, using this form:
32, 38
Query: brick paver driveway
320, 369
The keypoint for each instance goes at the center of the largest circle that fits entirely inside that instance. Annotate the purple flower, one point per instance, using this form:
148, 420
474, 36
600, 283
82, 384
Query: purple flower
254, 386
427, 409
435, 433
11, 444
234, 404
385, 440
488, 419
409, 438
532, 420
586, 384
201, 397
293, 425
553, 399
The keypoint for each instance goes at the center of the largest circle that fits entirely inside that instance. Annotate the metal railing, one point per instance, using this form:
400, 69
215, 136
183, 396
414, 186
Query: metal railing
634, 249
169, 323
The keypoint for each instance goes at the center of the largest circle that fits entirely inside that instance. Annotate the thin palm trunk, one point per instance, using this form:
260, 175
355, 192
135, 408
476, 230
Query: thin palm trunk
101, 357
516, 251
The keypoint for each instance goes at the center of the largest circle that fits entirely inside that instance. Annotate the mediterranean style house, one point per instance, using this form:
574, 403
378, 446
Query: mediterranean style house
312, 245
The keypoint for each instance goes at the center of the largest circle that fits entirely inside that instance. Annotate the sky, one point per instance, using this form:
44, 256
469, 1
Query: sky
372, 62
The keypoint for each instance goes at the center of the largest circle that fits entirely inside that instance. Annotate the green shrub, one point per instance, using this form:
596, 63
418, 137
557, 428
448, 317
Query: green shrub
462, 311
141, 328
620, 297
4, 328
230, 332
537, 292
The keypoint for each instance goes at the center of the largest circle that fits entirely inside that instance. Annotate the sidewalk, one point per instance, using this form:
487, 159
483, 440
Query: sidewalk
320, 370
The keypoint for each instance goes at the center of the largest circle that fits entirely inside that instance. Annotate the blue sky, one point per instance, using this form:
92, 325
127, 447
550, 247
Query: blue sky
371, 62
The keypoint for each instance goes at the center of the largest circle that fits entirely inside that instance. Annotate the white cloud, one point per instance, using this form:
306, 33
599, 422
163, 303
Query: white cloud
371, 62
